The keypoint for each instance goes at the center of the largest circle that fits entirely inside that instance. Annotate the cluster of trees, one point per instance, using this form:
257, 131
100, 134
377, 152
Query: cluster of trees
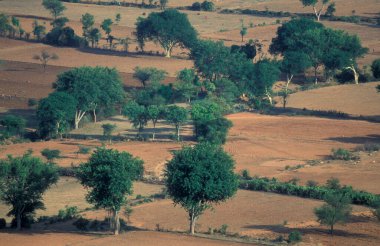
204, 6
77, 92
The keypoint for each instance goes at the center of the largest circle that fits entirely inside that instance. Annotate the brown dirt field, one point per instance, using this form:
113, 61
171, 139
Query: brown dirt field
265, 145
244, 214
361, 99
134, 238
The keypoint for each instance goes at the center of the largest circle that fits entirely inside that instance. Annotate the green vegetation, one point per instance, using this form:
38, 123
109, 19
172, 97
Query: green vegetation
337, 209
23, 182
14, 125
51, 154
177, 116
55, 7
294, 237
199, 176
314, 192
376, 68
169, 28
109, 175
343, 154
108, 129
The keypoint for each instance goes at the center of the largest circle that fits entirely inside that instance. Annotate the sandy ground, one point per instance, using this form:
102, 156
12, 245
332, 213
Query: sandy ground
362, 99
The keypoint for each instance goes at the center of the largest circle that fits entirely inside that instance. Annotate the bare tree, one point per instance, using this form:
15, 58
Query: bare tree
45, 57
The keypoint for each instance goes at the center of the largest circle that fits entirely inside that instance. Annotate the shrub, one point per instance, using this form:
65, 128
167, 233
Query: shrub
312, 183
32, 102
245, 174
66, 171
63, 37
68, 213
294, 237
223, 229
3, 223
13, 124
207, 6
213, 131
51, 154
196, 6
83, 149
375, 67
368, 147
343, 154
81, 224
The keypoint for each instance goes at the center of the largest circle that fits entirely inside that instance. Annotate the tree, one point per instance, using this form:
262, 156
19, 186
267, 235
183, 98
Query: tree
94, 36
106, 26
88, 22
213, 131
163, 4
23, 182
154, 114
186, 85
55, 7
108, 129
44, 57
331, 9
136, 114
243, 32
55, 114
337, 209
5, 25
207, 6
205, 110
293, 64
198, 177
93, 88
38, 30
177, 116
109, 175
317, 10
149, 74
60, 22
375, 67
169, 28
13, 124
118, 18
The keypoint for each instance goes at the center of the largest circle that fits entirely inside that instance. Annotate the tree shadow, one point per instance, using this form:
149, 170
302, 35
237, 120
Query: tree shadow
28, 114
373, 138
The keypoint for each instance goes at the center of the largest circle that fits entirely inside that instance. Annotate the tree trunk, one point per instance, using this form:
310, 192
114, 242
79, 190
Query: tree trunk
332, 229
242, 38
78, 117
154, 131
193, 219
316, 75
94, 114
177, 128
168, 53
116, 222
18, 220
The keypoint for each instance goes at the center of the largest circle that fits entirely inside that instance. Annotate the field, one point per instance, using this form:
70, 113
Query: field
283, 146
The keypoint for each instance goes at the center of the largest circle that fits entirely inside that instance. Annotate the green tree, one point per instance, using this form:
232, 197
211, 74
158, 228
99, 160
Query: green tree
213, 131
163, 4
106, 26
88, 21
154, 114
55, 7
186, 85
38, 30
44, 57
169, 28
243, 32
318, 10
5, 25
13, 124
207, 6
331, 9
205, 110
337, 209
375, 67
108, 129
55, 113
23, 182
93, 88
177, 116
109, 175
118, 18
149, 75
198, 177
59, 22
94, 36
136, 114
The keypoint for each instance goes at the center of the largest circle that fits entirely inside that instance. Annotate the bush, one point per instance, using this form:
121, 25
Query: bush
213, 131
207, 6
375, 67
13, 124
294, 237
83, 149
196, 6
3, 223
81, 224
51, 154
343, 154
68, 213
368, 147
63, 37
32, 102
223, 229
